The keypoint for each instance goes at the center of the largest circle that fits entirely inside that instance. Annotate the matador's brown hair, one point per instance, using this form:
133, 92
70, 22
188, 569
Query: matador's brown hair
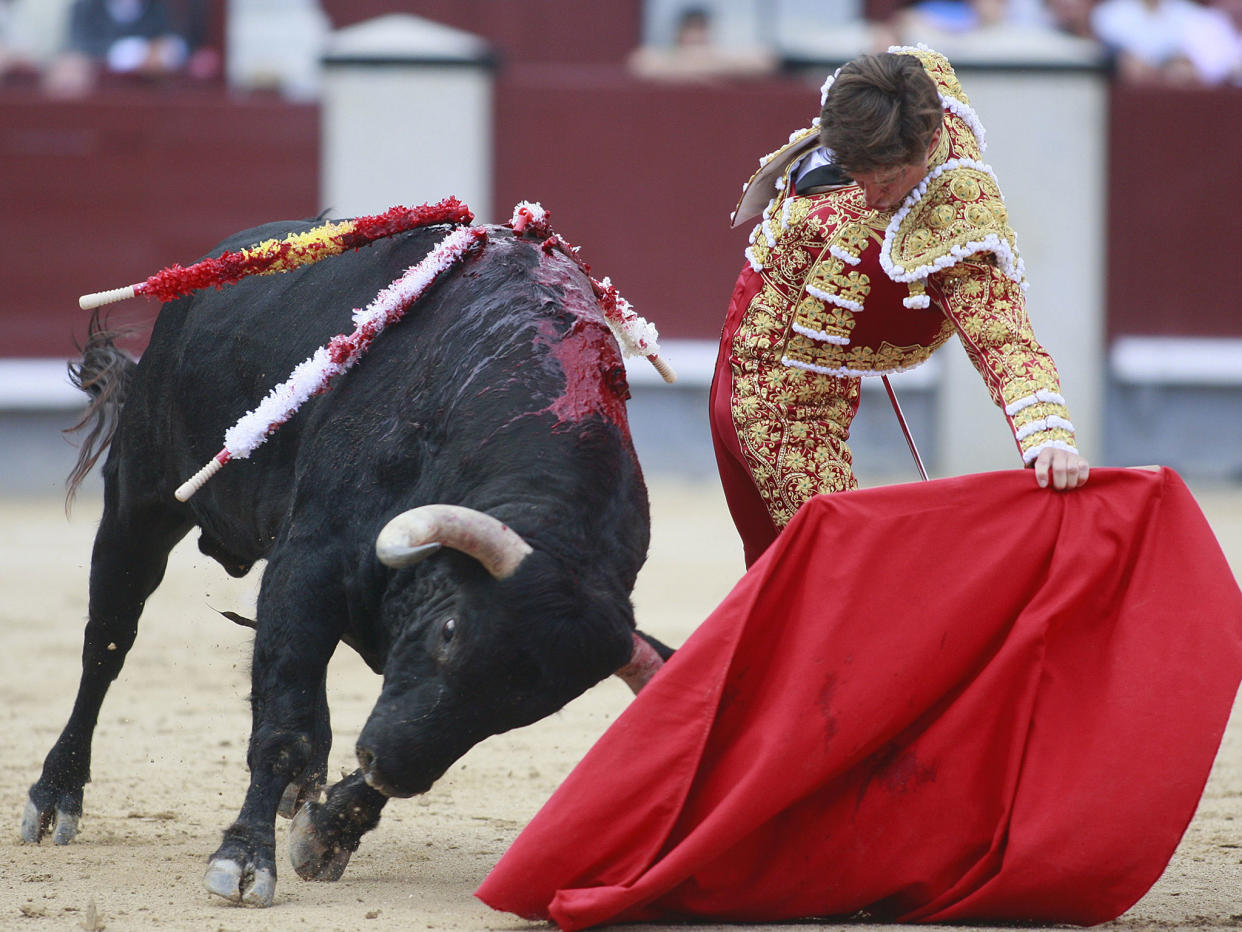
881, 111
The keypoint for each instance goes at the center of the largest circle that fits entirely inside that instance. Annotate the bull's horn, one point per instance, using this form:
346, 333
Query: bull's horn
416, 534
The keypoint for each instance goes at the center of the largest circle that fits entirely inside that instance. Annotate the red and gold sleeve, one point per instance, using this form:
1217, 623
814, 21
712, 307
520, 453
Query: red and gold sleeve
988, 310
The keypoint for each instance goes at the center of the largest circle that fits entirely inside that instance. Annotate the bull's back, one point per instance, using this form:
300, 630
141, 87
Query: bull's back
500, 385
219, 351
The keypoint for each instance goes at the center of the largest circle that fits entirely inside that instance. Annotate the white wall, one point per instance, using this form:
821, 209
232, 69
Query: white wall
407, 118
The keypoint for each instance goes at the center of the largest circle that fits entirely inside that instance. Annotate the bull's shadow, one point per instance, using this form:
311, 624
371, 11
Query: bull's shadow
463, 508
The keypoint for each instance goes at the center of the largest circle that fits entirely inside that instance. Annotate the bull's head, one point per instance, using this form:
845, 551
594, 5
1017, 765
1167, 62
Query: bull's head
485, 643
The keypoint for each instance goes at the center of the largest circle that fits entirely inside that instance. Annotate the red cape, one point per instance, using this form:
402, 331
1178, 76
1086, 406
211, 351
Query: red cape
967, 699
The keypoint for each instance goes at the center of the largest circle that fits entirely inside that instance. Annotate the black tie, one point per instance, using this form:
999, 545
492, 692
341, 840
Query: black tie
822, 177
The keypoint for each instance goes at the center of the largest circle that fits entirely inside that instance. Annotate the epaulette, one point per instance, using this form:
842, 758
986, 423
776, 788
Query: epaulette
956, 212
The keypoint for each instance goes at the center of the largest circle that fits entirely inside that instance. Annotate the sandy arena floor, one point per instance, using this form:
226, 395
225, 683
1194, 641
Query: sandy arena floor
169, 759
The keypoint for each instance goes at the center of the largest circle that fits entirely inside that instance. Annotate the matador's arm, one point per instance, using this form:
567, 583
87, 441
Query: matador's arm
989, 312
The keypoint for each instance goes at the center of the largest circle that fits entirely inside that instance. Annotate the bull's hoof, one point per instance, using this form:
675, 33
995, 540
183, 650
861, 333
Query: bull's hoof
227, 878
36, 822
223, 878
296, 796
313, 857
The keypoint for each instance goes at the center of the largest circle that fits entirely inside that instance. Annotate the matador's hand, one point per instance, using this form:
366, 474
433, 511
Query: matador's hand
1065, 469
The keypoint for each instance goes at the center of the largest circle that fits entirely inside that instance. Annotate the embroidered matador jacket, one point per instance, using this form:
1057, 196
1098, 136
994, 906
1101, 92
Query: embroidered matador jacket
833, 291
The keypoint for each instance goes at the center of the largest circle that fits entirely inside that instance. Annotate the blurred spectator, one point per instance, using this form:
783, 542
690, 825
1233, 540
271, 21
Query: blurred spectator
14, 55
1229, 13
1002, 30
191, 19
277, 45
952, 16
30, 31
10, 40
1169, 41
146, 38
1231, 9
1073, 17
695, 55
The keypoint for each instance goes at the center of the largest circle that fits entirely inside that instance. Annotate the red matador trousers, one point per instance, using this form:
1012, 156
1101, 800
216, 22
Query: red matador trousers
746, 505
965, 700
779, 433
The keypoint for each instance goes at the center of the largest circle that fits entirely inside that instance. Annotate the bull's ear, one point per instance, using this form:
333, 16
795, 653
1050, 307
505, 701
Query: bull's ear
398, 555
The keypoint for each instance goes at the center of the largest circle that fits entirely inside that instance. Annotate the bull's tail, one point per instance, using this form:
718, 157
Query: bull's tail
104, 373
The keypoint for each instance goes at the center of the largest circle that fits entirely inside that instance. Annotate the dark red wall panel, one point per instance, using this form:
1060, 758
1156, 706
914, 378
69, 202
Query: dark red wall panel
643, 178
1175, 212
105, 191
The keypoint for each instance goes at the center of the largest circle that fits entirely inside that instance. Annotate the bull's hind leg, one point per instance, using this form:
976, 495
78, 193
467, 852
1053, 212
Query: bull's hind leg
127, 564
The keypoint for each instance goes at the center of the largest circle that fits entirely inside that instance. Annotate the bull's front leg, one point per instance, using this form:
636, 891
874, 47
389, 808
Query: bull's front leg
294, 641
324, 835
310, 784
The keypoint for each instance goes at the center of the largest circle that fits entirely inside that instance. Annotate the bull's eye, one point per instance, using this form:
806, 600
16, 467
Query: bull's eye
446, 632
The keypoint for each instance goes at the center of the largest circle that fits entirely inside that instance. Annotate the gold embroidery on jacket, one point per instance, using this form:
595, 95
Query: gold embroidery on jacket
803, 352
853, 238
941, 71
989, 311
822, 321
961, 209
792, 424
829, 277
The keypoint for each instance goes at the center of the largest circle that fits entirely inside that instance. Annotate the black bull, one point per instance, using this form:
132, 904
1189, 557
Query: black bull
501, 391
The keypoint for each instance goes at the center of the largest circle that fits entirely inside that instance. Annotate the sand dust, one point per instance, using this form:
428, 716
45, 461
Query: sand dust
169, 754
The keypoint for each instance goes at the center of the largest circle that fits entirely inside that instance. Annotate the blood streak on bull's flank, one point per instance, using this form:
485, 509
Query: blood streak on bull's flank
588, 353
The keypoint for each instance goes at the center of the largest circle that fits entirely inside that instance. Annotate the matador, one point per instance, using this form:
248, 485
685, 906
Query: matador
834, 290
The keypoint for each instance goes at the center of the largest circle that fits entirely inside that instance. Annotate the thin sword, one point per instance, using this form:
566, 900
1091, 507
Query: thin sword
905, 429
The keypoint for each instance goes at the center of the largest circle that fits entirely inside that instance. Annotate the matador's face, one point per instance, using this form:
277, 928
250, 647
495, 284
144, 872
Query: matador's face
885, 188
